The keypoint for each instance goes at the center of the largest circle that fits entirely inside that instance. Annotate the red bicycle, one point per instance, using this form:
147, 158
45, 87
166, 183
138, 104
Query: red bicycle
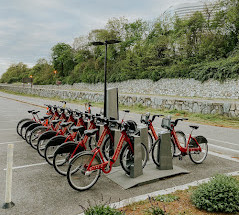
152, 136
195, 147
85, 168
53, 125
63, 129
77, 131
68, 150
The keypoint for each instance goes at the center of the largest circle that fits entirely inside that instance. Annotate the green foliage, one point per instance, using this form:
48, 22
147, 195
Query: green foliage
203, 46
102, 210
167, 198
15, 73
154, 208
220, 194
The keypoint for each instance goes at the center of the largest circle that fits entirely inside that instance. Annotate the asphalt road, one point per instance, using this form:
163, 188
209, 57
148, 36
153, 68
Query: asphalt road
38, 189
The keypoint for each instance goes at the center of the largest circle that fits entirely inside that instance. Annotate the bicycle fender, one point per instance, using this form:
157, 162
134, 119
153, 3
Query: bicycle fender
26, 124
47, 135
201, 139
34, 125
56, 140
69, 147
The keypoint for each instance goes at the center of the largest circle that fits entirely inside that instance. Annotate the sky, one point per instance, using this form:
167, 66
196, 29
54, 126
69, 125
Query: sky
30, 28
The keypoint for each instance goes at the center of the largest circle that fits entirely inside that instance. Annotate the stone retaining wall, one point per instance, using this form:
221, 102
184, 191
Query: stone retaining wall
227, 107
173, 87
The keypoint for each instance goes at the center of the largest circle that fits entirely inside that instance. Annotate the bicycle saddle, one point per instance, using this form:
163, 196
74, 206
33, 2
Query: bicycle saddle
46, 117
54, 122
91, 132
64, 124
194, 126
78, 128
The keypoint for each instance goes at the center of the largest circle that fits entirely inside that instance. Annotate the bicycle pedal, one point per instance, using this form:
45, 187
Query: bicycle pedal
180, 157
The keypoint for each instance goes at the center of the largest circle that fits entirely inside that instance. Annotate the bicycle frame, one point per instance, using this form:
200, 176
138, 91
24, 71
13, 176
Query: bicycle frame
123, 137
186, 149
84, 141
151, 128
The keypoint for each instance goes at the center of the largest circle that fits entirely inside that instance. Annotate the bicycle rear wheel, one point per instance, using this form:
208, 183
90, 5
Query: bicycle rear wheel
197, 156
77, 176
127, 157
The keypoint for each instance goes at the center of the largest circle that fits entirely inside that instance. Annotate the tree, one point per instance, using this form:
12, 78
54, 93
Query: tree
63, 59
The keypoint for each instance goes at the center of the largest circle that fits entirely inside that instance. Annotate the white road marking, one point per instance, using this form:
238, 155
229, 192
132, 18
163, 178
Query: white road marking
7, 129
25, 166
223, 156
12, 142
221, 141
224, 148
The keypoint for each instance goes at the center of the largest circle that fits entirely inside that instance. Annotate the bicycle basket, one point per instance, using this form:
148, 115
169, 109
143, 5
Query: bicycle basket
166, 123
145, 118
132, 126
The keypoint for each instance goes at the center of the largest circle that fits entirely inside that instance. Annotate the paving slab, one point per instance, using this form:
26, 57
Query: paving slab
150, 174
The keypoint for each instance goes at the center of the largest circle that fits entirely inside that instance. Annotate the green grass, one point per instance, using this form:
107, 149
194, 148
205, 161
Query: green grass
209, 119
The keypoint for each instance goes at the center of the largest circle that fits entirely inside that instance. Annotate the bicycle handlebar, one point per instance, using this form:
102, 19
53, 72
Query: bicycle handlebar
156, 115
179, 119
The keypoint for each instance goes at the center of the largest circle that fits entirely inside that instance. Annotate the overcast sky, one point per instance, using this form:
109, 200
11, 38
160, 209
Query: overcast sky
30, 28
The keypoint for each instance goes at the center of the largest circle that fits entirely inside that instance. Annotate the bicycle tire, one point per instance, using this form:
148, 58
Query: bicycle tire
62, 156
20, 123
76, 176
24, 127
29, 131
92, 142
35, 134
182, 141
108, 148
150, 142
155, 151
194, 155
52, 146
127, 157
42, 141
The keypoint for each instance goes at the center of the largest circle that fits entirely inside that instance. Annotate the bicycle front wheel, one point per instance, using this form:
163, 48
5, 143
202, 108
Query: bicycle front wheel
155, 151
20, 123
127, 157
108, 148
195, 155
36, 133
182, 141
150, 141
77, 176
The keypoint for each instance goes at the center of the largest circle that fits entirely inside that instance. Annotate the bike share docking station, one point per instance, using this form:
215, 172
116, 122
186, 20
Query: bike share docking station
139, 175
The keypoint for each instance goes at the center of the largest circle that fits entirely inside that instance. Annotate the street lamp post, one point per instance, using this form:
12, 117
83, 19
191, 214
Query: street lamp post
105, 67
55, 75
31, 80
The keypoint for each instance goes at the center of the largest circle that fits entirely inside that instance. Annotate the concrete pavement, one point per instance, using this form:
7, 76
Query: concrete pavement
38, 189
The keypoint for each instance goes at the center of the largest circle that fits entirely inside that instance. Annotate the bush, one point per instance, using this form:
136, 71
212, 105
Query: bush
102, 210
220, 194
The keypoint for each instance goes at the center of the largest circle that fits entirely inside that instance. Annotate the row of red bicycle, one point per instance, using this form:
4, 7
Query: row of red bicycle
70, 141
